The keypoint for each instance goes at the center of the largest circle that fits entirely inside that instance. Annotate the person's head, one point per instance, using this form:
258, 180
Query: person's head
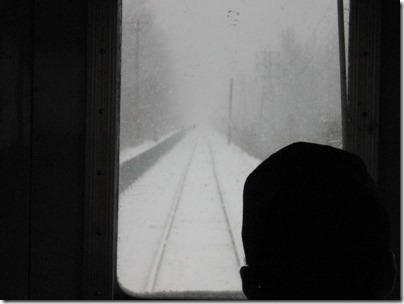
314, 228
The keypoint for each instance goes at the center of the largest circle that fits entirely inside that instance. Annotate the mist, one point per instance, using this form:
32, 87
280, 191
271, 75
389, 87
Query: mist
209, 89
180, 57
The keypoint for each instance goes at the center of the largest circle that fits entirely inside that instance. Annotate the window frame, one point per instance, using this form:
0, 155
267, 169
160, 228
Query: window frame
102, 127
102, 148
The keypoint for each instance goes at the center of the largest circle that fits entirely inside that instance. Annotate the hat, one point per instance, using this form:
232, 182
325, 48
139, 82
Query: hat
311, 197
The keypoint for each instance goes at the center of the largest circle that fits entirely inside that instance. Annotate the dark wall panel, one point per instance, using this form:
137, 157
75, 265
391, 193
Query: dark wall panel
15, 128
58, 149
389, 152
43, 70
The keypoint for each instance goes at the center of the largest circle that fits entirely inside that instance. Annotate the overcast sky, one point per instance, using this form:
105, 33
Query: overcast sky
210, 41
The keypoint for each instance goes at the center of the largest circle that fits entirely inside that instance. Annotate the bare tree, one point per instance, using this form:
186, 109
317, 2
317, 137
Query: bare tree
147, 100
299, 95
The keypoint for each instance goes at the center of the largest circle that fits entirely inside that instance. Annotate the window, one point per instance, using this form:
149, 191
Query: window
210, 88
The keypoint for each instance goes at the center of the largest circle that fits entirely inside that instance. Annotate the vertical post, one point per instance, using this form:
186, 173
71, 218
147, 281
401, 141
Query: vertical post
343, 82
364, 81
137, 128
102, 142
229, 122
262, 91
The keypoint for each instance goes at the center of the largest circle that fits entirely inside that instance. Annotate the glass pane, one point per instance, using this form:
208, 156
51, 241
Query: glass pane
210, 88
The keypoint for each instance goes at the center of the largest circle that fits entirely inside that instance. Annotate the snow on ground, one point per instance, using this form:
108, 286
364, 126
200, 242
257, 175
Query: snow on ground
198, 254
233, 166
142, 216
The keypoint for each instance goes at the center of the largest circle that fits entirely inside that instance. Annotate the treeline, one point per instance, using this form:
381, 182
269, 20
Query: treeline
147, 95
293, 96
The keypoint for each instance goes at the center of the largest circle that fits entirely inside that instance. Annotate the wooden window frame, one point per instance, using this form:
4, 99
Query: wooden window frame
102, 135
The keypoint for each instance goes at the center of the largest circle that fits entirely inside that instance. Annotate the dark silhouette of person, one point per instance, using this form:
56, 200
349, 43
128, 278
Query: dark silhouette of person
314, 228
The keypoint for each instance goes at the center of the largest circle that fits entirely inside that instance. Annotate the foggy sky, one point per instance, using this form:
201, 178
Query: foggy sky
211, 41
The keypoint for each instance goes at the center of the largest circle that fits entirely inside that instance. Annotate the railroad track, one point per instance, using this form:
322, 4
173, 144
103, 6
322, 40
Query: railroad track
179, 202
223, 204
151, 283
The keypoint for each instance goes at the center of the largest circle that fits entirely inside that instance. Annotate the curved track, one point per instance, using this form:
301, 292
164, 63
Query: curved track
197, 230
161, 249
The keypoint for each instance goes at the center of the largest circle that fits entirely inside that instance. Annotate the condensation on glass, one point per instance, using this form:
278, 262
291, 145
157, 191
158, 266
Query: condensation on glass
210, 88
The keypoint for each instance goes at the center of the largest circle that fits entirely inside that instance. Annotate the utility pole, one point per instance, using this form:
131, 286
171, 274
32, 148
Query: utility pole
229, 122
269, 67
137, 80
137, 127
343, 82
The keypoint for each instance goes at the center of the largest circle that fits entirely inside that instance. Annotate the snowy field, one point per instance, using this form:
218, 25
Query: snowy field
179, 224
